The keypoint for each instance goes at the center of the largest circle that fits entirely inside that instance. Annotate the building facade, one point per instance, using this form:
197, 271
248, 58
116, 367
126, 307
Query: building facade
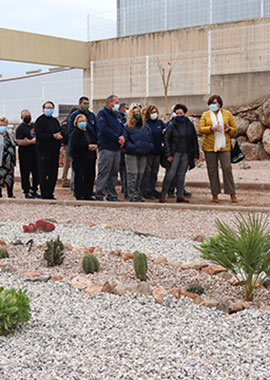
147, 16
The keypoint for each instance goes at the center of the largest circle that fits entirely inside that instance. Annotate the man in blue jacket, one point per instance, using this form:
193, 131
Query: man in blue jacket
110, 141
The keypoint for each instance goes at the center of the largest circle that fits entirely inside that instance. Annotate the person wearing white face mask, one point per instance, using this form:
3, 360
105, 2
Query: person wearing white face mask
7, 158
218, 126
48, 142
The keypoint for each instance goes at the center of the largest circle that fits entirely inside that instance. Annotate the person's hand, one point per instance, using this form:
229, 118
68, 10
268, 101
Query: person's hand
121, 141
227, 128
92, 147
33, 140
57, 136
164, 130
195, 159
170, 159
217, 128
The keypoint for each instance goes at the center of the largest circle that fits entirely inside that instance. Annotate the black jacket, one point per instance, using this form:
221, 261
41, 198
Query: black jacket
45, 127
171, 138
81, 155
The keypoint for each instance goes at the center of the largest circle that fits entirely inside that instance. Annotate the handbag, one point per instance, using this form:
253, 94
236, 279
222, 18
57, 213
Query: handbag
237, 154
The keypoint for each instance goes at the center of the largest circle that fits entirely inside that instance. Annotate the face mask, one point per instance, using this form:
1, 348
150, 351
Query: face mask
85, 107
82, 124
153, 116
3, 128
213, 107
48, 111
173, 114
27, 119
115, 108
126, 112
137, 116
179, 118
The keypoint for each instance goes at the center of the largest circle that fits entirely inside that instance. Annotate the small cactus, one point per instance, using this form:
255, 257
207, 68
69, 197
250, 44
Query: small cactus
197, 289
3, 253
90, 264
140, 265
54, 253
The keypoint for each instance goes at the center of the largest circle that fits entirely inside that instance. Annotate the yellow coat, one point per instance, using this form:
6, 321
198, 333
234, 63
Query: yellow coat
209, 136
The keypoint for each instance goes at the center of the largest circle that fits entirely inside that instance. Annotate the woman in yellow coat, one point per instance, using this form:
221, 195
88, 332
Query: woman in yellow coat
218, 126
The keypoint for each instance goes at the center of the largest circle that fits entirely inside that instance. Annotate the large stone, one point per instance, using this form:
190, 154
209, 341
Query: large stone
127, 256
120, 289
241, 140
188, 294
160, 260
56, 277
93, 289
242, 125
213, 269
235, 307
199, 238
263, 155
143, 288
197, 265
80, 282
266, 140
251, 151
32, 274
108, 287
41, 278
209, 302
158, 294
255, 131
176, 292
265, 114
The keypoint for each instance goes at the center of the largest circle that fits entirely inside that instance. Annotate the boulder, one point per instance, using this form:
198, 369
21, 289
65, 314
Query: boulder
241, 139
266, 140
255, 131
263, 155
251, 151
242, 125
265, 114
158, 294
197, 265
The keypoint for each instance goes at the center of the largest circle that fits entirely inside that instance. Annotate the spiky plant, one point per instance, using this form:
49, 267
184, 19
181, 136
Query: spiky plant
54, 253
243, 249
197, 289
3, 253
90, 264
140, 265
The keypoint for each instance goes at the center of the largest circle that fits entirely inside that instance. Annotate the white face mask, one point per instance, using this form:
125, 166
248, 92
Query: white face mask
153, 116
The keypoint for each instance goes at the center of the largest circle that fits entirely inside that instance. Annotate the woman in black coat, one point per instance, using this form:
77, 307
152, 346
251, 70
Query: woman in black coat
181, 151
83, 146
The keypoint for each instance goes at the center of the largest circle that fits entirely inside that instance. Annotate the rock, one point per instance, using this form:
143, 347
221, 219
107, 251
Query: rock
7, 268
80, 282
120, 289
251, 151
209, 302
56, 277
143, 288
2, 242
50, 220
89, 224
235, 307
31, 274
197, 265
176, 292
199, 238
160, 260
93, 289
127, 256
68, 246
223, 306
255, 131
111, 226
173, 263
189, 295
265, 114
89, 250
226, 275
213, 269
18, 242
158, 294
242, 125
42, 278
265, 308
241, 139
266, 284
266, 140
235, 282
108, 287
117, 252
263, 155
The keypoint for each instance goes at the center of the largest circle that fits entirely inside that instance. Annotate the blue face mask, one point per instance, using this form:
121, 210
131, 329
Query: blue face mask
153, 116
173, 114
179, 118
3, 128
126, 112
82, 125
213, 107
48, 111
115, 108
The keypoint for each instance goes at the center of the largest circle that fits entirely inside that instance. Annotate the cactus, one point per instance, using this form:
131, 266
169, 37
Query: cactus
90, 264
140, 265
3, 253
197, 289
54, 252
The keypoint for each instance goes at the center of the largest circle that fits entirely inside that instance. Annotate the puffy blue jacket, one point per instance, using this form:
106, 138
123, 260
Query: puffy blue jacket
109, 128
156, 127
139, 141
92, 126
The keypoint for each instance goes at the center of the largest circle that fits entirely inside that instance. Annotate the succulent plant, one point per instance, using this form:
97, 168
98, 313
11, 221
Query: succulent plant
3, 253
140, 265
54, 253
197, 289
90, 264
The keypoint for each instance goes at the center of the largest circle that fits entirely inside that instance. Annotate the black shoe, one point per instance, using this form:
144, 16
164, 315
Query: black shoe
182, 200
35, 194
109, 199
89, 199
171, 194
187, 194
29, 196
101, 199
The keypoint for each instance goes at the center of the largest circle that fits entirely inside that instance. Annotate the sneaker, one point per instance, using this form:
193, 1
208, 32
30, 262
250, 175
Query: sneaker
29, 196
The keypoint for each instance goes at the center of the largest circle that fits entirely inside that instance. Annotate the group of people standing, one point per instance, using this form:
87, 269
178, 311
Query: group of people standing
128, 139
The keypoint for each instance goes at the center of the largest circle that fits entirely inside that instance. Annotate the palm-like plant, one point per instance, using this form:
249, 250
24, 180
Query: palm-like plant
244, 250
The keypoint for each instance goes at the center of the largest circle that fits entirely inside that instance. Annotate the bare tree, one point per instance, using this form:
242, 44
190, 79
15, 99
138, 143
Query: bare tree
166, 76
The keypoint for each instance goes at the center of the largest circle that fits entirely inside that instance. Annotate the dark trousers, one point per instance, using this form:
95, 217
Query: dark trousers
48, 171
178, 168
28, 166
9, 191
84, 178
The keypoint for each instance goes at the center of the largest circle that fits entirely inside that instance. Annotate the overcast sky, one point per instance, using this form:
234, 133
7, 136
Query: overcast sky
60, 18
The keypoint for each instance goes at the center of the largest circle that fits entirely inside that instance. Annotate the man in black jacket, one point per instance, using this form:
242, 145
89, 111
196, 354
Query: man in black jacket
48, 142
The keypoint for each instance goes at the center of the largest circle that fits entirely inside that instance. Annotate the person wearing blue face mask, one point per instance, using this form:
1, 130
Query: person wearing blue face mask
181, 150
48, 142
7, 158
83, 146
110, 142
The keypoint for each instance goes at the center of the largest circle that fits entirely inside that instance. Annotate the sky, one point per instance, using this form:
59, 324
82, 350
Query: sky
60, 18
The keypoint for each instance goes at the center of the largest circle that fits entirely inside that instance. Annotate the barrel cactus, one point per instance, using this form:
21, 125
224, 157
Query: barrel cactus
3, 253
54, 253
90, 264
140, 265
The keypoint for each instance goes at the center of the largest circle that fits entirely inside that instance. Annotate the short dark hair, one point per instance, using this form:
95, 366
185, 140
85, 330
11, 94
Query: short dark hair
180, 106
73, 109
122, 105
47, 101
110, 98
217, 98
82, 98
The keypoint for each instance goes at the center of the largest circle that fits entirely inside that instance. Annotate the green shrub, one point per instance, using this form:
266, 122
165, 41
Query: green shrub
243, 250
14, 309
3, 253
90, 264
54, 253
140, 265
197, 289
